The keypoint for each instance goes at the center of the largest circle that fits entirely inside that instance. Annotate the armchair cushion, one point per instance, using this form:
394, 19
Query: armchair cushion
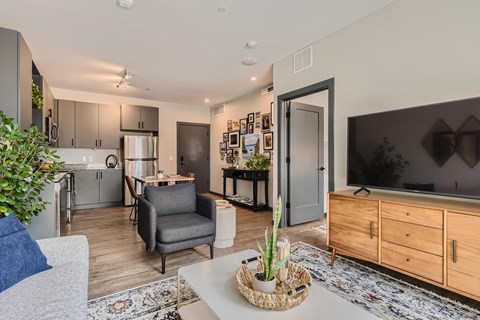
179, 227
174, 199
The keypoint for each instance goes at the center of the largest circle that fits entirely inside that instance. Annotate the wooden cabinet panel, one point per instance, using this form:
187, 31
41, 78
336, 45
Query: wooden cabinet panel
87, 187
417, 262
86, 125
463, 272
149, 118
354, 234
352, 207
130, 117
66, 123
418, 215
413, 236
111, 183
109, 126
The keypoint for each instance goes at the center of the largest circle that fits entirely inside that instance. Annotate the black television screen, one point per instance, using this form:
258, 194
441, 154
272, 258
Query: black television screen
429, 149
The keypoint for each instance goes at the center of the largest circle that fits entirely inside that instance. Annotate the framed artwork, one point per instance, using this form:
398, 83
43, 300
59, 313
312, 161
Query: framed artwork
229, 125
266, 122
234, 139
251, 117
235, 125
267, 154
222, 147
271, 114
225, 137
268, 141
251, 128
229, 156
243, 126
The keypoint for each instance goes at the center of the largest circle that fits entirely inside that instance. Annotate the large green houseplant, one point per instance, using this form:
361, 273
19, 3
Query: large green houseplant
257, 162
26, 166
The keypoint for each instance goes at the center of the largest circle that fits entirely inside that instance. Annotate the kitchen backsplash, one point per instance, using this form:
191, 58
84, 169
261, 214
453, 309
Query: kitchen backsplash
87, 156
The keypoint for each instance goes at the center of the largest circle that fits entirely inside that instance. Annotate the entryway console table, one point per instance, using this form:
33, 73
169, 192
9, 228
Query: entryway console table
249, 175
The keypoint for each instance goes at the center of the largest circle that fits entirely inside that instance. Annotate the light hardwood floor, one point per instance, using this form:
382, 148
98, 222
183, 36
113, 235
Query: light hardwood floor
118, 260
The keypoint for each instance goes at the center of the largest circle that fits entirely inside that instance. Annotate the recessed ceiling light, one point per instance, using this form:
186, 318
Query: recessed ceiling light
221, 9
125, 3
249, 61
148, 89
251, 44
206, 100
253, 78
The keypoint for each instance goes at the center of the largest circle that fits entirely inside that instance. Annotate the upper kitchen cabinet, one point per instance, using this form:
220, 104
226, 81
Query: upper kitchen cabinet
88, 125
139, 118
66, 123
15, 77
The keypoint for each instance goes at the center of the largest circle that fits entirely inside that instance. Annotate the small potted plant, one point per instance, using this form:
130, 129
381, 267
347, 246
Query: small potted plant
265, 281
257, 162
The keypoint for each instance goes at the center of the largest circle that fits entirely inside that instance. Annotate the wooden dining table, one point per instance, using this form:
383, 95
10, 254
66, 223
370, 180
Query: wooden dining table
165, 180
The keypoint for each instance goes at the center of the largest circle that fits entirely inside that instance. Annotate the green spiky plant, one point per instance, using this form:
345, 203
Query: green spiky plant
23, 174
37, 98
270, 265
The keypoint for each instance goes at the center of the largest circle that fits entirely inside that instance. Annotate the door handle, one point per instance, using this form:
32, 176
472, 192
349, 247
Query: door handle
454, 251
371, 229
321, 168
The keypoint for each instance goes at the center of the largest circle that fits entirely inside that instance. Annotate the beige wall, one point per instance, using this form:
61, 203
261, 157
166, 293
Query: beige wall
169, 114
406, 54
236, 109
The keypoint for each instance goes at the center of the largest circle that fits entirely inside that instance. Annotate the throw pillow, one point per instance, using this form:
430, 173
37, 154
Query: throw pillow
20, 255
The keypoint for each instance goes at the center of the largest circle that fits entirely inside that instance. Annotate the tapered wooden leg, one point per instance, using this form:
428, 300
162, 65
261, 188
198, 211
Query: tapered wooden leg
164, 258
211, 251
334, 253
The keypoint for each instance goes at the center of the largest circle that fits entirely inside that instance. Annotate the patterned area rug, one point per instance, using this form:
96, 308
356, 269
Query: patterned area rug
380, 294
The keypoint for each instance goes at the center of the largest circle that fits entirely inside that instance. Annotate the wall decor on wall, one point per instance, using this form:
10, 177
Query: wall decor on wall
229, 125
225, 137
233, 139
251, 117
251, 127
243, 126
268, 141
250, 145
266, 122
222, 147
267, 154
229, 156
257, 119
271, 114
235, 125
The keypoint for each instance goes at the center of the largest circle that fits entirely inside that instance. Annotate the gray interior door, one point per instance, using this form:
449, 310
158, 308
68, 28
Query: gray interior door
193, 153
306, 179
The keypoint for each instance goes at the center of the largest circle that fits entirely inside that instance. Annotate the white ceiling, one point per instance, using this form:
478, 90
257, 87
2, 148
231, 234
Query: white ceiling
182, 50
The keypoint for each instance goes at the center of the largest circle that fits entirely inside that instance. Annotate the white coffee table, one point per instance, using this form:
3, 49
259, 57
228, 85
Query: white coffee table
214, 282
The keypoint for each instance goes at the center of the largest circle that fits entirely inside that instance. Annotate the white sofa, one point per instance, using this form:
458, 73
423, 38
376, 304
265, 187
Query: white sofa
58, 293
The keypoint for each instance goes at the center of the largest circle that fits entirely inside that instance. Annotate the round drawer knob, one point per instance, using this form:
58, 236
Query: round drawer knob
408, 235
408, 259
408, 213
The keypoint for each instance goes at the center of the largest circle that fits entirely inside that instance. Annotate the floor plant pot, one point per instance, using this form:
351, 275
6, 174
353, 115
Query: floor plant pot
263, 286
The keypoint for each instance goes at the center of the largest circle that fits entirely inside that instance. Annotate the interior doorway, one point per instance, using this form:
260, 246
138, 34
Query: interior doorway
305, 151
193, 153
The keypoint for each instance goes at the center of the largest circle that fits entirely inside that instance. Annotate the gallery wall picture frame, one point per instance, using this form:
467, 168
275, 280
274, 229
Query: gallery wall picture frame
251, 128
267, 154
268, 141
243, 126
230, 156
266, 122
222, 147
271, 114
229, 125
225, 137
234, 139
235, 125
251, 117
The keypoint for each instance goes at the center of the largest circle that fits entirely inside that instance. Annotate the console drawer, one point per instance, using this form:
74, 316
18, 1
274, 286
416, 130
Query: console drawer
423, 264
413, 236
423, 216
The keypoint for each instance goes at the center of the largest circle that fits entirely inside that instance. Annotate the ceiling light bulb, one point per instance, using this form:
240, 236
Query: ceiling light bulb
127, 4
253, 78
222, 9
251, 44
206, 100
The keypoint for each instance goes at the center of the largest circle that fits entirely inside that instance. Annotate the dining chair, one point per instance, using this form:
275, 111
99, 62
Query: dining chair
135, 196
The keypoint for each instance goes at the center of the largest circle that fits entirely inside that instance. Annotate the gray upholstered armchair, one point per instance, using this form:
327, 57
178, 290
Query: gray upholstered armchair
174, 218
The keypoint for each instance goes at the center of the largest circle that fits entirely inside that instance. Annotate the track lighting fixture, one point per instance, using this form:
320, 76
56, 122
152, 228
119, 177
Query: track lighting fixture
124, 81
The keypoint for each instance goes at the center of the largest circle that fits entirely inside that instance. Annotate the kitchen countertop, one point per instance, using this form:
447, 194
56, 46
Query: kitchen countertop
83, 166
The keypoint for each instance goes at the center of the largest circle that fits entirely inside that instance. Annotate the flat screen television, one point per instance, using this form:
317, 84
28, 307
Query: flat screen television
431, 149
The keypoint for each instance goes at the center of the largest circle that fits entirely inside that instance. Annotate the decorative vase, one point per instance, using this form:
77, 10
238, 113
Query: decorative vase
263, 286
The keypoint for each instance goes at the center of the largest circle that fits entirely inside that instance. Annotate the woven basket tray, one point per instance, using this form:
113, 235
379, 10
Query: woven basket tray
279, 300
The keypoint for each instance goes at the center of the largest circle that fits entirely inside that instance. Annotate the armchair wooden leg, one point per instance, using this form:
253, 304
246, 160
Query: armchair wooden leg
211, 251
164, 258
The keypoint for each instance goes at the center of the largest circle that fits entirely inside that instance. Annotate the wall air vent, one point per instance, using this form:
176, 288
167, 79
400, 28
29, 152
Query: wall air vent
219, 110
267, 90
303, 59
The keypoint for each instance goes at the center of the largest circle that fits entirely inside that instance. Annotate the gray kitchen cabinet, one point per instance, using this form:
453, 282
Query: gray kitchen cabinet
109, 126
66, 123
15, 77
97, 188
139, 118
86, 125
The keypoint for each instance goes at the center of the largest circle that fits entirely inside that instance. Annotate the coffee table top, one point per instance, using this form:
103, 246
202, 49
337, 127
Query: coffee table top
214, 282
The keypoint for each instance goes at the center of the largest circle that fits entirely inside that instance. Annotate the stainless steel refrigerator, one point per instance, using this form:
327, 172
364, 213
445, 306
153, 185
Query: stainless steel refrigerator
139, 159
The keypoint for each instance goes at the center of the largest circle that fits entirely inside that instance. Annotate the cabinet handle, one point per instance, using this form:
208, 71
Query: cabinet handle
101, 175
96, 143
96, 176
142, 124
139, 125
100, 142
371, 229
454, 247
72, 142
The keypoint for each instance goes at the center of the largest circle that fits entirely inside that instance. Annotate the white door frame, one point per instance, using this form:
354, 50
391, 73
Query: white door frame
282, 179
